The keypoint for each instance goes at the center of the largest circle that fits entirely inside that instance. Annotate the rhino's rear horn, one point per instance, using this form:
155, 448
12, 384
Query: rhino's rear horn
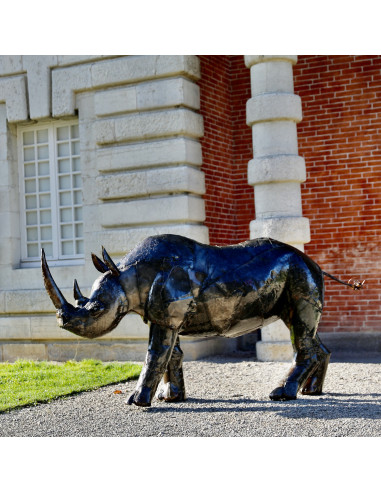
51, 287
110, 264
78, 296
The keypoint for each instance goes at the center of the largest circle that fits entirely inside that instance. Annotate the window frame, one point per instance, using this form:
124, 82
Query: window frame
56, 259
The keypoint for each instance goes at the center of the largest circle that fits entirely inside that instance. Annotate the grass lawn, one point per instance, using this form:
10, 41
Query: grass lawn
27, 382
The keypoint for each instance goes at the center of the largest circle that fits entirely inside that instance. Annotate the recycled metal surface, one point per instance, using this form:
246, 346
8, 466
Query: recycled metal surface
182, 287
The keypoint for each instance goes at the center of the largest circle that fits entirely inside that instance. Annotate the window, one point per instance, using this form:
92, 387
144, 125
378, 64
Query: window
51, 191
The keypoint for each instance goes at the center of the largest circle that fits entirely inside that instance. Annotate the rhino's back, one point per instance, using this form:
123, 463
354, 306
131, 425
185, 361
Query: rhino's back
162, 252
165, 247
174, 247
218, 261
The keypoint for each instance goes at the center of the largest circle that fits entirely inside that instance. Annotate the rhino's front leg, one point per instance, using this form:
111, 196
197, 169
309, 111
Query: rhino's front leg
173, 388
160, 347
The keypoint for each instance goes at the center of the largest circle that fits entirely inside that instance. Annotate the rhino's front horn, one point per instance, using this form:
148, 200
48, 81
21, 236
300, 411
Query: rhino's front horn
51, 287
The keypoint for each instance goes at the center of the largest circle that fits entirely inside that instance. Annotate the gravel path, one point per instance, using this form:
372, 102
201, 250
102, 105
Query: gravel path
227, 396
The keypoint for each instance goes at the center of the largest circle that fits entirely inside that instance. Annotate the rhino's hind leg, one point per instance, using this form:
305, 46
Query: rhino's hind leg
161, 343
303, 325
173, 387
296, 378
314, 384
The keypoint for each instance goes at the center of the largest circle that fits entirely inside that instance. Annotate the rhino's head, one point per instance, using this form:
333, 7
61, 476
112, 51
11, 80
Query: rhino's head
95, 316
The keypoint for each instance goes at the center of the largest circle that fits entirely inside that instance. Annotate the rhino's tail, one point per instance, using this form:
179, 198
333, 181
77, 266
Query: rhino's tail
354, 284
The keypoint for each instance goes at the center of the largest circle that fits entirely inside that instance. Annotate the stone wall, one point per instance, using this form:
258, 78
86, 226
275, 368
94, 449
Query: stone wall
140, 131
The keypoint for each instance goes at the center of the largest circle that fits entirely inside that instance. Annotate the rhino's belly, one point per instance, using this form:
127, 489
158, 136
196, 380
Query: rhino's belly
199, 325
237, 329
245, 326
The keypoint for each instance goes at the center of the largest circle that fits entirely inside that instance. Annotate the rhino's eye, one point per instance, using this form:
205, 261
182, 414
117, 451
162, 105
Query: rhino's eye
81, 303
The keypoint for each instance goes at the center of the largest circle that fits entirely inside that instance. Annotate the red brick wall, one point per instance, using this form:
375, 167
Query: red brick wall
226, 148
243, 147
339, 138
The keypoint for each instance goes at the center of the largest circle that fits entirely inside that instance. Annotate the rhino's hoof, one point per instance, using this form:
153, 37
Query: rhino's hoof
313, 387
170, 393
286, 392
138, 400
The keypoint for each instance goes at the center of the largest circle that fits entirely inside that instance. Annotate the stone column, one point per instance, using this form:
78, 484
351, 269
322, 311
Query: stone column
276, 171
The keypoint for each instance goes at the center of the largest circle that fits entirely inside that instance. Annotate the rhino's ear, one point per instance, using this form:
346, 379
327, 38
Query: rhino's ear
99, 265
110, 264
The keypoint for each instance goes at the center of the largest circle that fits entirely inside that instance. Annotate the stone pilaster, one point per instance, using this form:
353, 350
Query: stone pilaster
276, 171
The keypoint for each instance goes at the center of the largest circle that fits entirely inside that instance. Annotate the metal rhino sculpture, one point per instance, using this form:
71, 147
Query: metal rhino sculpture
182, 287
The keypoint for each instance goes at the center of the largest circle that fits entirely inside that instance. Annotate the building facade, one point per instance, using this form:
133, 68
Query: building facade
108, 150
